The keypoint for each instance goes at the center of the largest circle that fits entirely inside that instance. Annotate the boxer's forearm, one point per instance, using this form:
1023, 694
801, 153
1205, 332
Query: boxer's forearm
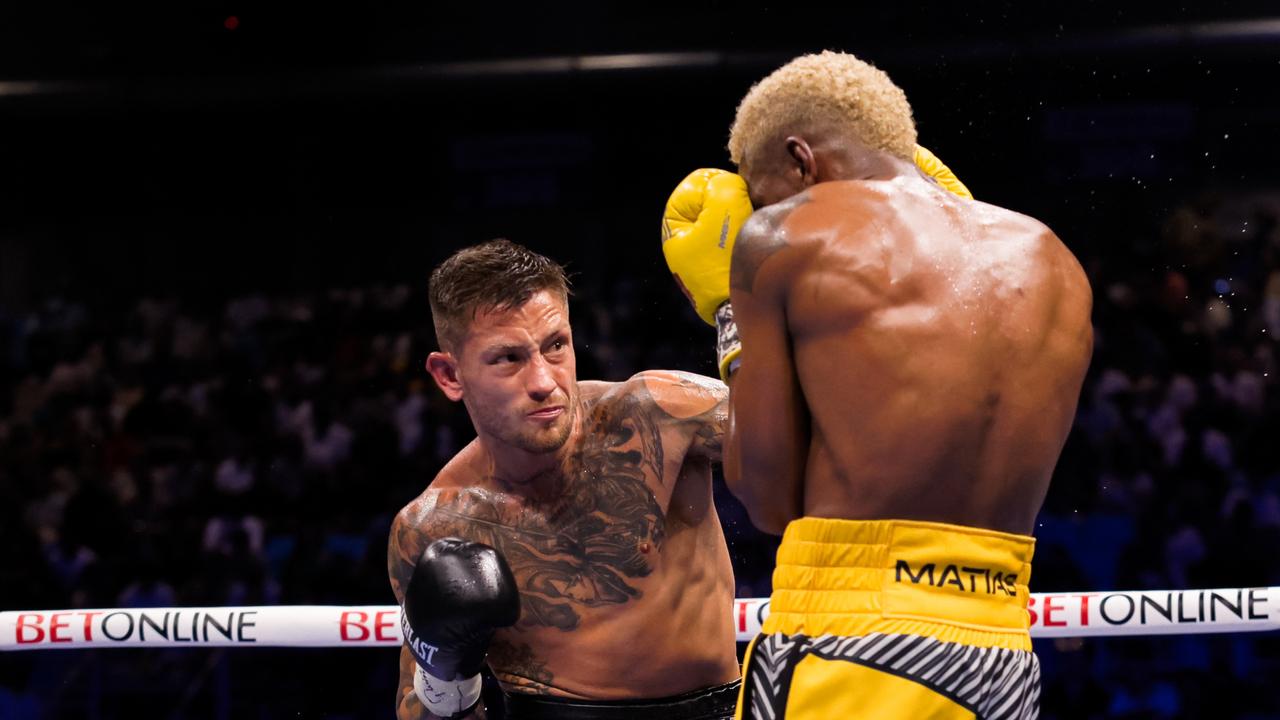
731, 460
771, 496
769, 416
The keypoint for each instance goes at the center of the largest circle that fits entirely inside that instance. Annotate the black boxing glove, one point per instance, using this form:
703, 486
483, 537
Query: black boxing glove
459, 594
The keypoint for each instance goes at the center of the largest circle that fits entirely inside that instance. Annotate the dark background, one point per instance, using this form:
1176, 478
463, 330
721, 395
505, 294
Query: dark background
305, 133
161, 166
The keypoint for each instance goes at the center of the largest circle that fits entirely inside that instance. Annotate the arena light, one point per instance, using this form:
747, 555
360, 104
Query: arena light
650, 61
20, 89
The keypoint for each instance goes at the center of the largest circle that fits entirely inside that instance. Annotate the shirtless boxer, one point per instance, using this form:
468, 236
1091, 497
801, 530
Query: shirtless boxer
595, 495
908, 369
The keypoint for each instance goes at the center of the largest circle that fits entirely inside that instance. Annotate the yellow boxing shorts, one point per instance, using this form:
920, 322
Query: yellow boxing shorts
894, 619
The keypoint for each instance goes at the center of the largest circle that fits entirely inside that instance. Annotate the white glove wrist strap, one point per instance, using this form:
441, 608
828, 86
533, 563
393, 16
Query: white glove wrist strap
446, 698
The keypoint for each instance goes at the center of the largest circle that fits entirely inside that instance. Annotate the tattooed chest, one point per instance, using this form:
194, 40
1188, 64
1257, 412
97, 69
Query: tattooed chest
591, 545
589, 551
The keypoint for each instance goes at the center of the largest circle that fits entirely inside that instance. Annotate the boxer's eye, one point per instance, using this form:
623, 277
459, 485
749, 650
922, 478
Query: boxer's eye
558, 345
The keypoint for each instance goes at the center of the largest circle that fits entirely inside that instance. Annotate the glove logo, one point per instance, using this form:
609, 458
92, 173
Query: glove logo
724, 232
421, 650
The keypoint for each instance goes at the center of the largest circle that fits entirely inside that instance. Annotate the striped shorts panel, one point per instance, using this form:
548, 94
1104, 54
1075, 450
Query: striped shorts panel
886, 675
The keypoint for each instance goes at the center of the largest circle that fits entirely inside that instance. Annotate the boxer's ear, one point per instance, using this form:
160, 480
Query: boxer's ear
443, 367
804, 166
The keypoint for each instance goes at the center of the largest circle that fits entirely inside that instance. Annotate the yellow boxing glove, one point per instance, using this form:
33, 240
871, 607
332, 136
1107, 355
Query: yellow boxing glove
934, 168
699, 227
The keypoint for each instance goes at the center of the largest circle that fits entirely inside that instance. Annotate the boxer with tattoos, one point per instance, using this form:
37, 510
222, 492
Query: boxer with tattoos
593, 498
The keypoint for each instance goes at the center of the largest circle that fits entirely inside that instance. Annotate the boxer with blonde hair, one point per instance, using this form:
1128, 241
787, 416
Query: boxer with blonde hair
904, 366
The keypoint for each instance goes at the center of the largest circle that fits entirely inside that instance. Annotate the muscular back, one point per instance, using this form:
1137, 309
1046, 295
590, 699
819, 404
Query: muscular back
939, 346
624, 576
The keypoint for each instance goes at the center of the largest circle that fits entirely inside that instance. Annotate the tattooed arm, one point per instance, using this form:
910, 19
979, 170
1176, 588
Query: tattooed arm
415, 527
698, 404
768, 437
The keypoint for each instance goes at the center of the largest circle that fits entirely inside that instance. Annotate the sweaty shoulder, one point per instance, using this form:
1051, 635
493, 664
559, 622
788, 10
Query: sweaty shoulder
449, 507
1068, 274
409, 537
765, 238
676, 393
783, 239
679, 394
1049, 246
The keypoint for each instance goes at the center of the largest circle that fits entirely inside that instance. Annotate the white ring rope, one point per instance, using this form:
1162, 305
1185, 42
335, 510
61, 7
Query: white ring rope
1077, 614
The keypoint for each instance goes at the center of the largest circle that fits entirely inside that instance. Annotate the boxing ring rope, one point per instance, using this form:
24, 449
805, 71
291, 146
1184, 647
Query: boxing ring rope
1052, 615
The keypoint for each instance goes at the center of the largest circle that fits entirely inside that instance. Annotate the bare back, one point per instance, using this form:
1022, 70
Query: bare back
625, 579
939, 345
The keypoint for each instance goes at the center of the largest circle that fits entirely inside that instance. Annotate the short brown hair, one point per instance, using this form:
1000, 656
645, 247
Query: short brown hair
829, 87
495, 275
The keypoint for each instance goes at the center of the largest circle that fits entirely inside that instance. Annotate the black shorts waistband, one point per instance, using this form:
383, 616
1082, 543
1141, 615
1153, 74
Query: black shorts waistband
712, 703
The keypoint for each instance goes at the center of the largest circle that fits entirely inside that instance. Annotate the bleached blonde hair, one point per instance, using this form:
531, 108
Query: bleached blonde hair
829, 87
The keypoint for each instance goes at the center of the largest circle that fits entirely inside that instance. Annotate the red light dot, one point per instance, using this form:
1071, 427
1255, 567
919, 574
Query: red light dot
231, 23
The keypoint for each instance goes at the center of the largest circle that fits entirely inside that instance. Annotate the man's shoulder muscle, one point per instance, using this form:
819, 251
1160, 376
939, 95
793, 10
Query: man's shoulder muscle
769, 243
448, 510
680, 395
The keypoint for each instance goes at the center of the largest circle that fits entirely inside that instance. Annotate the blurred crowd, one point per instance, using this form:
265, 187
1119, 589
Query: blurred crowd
253, 449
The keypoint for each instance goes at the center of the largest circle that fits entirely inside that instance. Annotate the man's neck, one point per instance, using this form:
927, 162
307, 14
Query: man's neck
859, 163
527, 473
